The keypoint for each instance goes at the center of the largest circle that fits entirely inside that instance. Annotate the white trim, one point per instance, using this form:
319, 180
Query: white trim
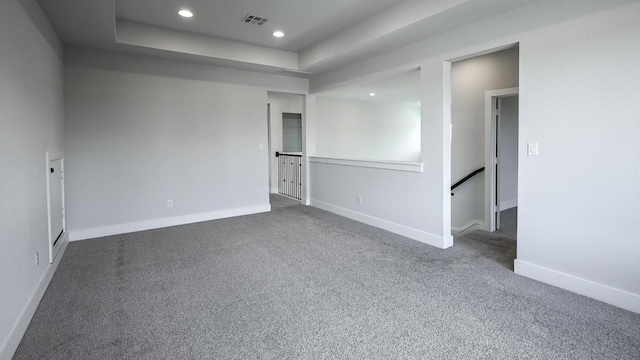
274, 190
20, 327
613, 296
415, 234
506, 205
376, 164
467, 226
489, 154
102, 231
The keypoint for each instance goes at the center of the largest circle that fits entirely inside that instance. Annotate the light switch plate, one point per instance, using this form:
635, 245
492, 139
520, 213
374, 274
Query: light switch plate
532, 149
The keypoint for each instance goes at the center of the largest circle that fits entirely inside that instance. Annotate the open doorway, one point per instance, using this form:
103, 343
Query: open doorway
501, 176
285, 116
484, 152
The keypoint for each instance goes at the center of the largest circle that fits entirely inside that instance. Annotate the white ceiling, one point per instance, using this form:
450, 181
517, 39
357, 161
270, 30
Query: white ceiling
321, 35
304, 22
403, 89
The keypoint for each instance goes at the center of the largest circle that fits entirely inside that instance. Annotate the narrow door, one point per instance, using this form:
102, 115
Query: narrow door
56, 203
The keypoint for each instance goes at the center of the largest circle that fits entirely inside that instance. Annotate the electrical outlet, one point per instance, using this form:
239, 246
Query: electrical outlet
37, 259
169, 203
358, 200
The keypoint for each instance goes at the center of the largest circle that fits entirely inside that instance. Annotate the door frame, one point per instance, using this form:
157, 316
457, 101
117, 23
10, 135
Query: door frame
53, 251
269, 144
490, 176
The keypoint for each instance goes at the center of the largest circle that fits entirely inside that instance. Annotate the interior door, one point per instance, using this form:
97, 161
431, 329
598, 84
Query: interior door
56, 203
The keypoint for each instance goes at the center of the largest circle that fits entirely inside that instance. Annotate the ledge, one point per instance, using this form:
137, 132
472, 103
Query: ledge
375, 164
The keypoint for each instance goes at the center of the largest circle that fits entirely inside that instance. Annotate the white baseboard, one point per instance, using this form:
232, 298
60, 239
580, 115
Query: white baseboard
415, 234
102, 231
20, 327
473, 223
505, 205
613, 296
274, 190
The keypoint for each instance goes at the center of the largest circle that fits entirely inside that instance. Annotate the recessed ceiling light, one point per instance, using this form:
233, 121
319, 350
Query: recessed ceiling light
185, 13
372, 94
278, 34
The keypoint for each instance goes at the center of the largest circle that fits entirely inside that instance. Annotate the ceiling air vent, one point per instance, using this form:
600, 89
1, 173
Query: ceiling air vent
252, 19
295, 73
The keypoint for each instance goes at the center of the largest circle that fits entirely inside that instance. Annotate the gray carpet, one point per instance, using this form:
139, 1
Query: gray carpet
509, 222
301, 283
279, 202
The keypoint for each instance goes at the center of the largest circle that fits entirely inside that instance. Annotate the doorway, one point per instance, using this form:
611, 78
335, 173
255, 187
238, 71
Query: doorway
501, 177
471, 79
285, 121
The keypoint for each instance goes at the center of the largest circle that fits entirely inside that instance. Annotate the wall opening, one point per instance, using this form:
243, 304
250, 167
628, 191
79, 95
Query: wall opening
285, 118
484, 131
374, 120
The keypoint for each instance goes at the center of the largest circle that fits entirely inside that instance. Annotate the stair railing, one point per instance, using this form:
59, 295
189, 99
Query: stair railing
466, 178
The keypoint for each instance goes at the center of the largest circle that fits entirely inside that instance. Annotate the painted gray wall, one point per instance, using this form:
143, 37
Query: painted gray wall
355, 129
470, 80
508, 152
142, 131
577, 201
32, 123
280, 103
410, 203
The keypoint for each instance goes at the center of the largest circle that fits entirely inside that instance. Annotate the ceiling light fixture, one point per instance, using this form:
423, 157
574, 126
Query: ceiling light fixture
278, 34
185, 13
372, 94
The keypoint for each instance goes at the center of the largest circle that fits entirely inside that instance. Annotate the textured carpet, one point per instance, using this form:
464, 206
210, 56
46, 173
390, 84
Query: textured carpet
509, 222
279, 202
301, 283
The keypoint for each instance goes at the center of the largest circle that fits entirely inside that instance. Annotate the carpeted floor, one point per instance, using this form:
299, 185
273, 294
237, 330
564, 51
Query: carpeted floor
301, 283
509, 222
279, 202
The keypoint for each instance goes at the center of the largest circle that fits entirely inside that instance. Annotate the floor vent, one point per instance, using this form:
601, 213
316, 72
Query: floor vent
252, 19
295, 73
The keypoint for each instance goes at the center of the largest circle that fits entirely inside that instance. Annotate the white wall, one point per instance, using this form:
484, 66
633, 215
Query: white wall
355, 129
508, 152
138, 136
577, 200
280, 103
470, 80
405, 202
32, 123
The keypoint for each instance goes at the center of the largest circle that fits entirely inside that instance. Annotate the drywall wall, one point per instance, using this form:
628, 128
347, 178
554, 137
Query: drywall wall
578, 200
337, 188
280, 103
138, 137
355, 129
508, 152
32, 123
577, 203
406, 202
470, 80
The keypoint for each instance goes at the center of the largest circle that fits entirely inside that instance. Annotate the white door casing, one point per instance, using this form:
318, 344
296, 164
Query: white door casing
491, 202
